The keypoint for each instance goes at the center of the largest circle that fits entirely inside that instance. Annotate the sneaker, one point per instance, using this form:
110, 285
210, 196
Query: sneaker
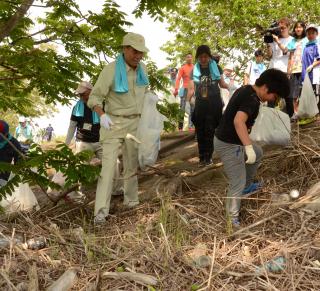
235, 222
202, 163
252, 188
294, 118
305, 121
208, 162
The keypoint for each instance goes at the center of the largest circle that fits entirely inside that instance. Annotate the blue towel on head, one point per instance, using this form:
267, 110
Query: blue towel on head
214, 71
121, 79
78, 110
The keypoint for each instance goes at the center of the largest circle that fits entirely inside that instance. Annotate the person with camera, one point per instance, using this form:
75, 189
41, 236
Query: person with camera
206, 78
278, 54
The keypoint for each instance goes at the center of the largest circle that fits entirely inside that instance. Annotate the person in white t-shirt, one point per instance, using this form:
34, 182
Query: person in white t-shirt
278, 52
254, 69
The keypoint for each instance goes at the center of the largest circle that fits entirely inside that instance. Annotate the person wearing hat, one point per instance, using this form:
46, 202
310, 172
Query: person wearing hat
311, 56
229, 78
85, 123
255, 68
24, 134
118, 98
206, 78
9, 150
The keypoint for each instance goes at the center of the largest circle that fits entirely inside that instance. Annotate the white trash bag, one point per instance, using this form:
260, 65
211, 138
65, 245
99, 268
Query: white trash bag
149, 130
308, 107
59, 179
271, 127
22, 199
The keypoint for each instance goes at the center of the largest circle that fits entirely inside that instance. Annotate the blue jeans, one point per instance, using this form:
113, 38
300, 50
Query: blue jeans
183, 100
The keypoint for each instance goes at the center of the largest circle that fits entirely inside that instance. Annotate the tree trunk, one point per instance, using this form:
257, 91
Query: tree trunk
14, 19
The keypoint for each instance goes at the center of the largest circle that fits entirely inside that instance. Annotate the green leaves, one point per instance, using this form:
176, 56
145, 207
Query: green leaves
173, 113
33, 168
231, 28
67, 47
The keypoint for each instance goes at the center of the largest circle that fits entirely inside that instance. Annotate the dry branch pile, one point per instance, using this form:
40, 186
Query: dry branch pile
159, 241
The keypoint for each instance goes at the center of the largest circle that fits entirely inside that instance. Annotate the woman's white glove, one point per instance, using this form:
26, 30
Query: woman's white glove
251, 155
105, 121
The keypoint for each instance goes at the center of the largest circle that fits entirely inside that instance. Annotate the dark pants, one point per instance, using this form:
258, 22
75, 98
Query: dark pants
206, 121
205, 132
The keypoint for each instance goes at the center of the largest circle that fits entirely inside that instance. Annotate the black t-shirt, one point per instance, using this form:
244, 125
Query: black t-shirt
86, 130
208, 85
7, 154
246, 100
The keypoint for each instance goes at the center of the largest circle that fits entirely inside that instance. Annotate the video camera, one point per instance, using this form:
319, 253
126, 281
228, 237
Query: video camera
272, 29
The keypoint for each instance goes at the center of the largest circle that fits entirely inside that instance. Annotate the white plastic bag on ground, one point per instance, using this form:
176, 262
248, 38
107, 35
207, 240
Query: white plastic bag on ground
307, 103
59, 179
22, 199
149, 130
272, 126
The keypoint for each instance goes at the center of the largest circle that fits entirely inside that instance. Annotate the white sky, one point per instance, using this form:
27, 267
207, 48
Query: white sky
155, 34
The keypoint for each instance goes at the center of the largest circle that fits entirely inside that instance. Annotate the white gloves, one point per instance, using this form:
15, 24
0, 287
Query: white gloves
187, 108
309, 69
105, 121
251, 155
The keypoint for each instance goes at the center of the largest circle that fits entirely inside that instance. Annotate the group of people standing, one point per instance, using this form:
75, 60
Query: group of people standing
224, 124
106, 117
297, 55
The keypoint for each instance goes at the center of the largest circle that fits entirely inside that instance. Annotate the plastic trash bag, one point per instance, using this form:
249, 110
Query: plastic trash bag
149, 130
22, 199
272, 126
308, 107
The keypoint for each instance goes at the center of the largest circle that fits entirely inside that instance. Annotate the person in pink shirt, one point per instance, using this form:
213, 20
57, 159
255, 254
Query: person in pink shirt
184, 73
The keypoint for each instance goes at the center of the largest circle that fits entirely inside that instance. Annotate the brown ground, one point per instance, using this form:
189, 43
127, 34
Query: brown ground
181, 206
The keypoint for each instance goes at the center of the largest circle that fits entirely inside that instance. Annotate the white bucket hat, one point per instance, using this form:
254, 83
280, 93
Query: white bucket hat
83, 87
136, 41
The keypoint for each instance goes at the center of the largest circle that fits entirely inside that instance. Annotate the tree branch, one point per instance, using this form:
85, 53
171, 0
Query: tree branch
14, 19
15, 78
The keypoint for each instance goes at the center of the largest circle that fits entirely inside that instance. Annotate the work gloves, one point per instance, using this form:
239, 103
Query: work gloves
105, 121
309, 69
251, 155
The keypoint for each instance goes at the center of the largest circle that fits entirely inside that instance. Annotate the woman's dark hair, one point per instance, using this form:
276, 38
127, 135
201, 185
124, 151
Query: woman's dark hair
203, 49
303, 32
276, 81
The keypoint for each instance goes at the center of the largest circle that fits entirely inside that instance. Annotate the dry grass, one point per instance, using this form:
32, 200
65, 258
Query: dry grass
155, 237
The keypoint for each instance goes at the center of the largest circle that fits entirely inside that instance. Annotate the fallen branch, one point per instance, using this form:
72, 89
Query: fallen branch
136, 277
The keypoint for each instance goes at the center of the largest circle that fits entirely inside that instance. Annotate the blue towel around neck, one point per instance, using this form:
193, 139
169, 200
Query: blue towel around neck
214, 71
121, 79
78, 110
4, 142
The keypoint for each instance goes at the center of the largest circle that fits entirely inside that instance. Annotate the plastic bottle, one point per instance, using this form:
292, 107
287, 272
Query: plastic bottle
278, 264
37, 243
